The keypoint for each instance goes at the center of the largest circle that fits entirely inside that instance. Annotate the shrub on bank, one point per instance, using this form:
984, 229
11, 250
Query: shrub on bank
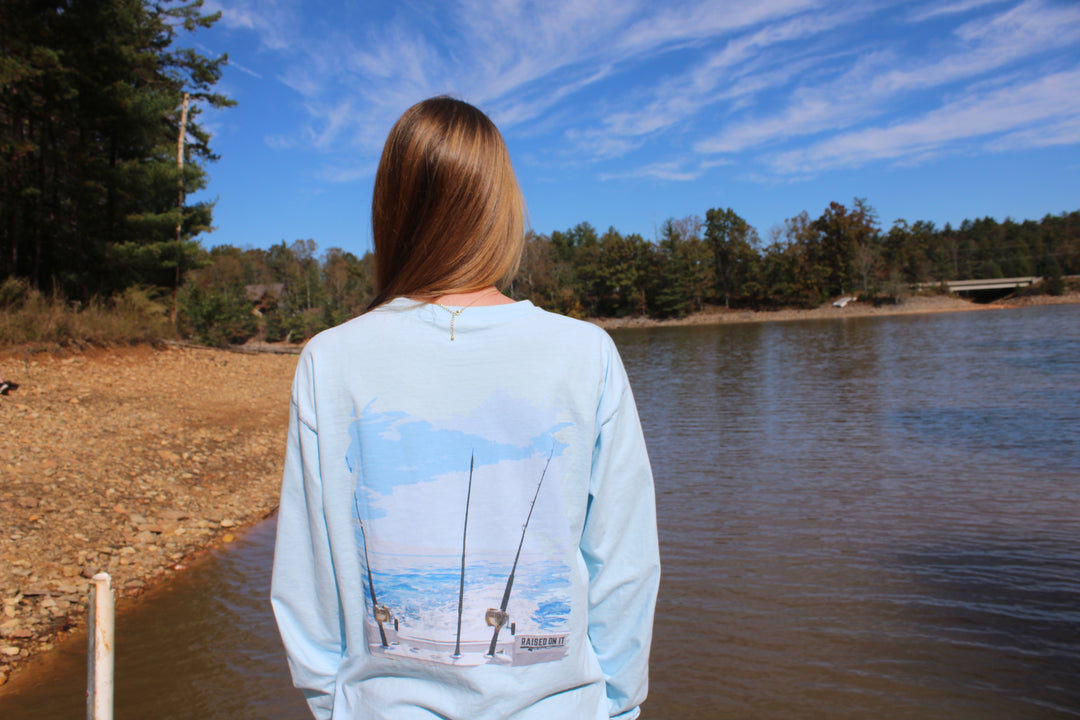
29, 317
216, 316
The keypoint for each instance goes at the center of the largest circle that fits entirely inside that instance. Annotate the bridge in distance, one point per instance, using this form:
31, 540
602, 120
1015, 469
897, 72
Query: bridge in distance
985, 284
988, 289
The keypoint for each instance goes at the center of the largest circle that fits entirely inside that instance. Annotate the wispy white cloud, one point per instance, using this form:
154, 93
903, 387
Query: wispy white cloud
936, 9
232, 62
1025, 111
280, 142
670, 170
246, 70
1060, 131
841, 102
881, 83
332, 117
276, 22
680, 23
734, 71
597, 144
658, 171
987, 44
512, 45
301, 81
345, 173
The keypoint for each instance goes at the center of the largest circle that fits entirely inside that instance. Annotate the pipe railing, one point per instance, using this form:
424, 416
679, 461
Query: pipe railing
101, 653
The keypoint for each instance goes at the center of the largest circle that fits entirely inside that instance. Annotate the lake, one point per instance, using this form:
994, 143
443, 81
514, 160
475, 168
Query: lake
868, 517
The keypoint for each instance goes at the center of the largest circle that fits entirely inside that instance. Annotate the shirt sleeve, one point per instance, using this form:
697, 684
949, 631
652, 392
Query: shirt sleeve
304, 589
620, 547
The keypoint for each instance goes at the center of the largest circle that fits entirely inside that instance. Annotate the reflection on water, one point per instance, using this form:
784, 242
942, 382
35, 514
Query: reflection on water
867, 518
873, 517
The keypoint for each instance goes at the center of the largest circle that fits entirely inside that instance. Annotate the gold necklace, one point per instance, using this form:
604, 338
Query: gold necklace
454, 313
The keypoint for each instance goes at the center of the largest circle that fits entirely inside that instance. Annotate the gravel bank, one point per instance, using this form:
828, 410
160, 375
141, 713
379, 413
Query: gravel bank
129, 461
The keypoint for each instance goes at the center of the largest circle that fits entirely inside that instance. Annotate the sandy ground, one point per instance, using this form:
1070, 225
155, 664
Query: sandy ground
134, 460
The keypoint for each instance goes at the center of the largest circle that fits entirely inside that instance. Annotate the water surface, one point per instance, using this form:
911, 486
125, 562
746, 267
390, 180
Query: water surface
877, 517
874, 517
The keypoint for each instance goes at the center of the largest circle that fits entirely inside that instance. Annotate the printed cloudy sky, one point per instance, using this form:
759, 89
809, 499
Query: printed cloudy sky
624, 113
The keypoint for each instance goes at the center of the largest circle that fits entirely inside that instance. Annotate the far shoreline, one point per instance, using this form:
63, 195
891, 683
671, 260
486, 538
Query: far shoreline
914, 305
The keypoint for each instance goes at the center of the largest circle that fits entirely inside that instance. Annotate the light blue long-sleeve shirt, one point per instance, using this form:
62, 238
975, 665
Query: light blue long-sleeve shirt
467, 526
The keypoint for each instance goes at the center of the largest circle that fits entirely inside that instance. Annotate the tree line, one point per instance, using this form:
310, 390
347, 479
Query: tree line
289, 291
722, 260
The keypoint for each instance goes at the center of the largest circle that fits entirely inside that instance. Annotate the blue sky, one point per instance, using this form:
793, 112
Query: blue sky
624, 113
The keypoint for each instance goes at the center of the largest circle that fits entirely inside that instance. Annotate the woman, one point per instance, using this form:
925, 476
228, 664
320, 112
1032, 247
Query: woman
467, 524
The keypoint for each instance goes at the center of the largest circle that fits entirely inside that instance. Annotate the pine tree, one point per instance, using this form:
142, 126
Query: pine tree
90, 99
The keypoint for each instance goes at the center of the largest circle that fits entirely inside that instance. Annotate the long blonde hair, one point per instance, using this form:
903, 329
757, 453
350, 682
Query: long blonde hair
447, 214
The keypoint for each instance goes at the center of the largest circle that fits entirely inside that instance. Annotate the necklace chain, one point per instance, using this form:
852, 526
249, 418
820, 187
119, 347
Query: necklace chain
454, 313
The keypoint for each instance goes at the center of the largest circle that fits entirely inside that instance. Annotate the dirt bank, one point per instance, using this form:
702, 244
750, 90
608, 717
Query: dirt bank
910, 306
129, 461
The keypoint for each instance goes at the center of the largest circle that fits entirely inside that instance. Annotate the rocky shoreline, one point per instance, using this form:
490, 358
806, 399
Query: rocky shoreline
130, 461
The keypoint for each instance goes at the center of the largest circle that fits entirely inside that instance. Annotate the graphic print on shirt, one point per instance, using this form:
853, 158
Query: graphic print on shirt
462, 534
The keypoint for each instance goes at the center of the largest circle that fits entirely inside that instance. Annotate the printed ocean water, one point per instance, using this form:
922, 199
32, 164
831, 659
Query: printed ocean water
419, 613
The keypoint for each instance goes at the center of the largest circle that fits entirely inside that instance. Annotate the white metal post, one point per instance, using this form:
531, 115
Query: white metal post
100, 660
